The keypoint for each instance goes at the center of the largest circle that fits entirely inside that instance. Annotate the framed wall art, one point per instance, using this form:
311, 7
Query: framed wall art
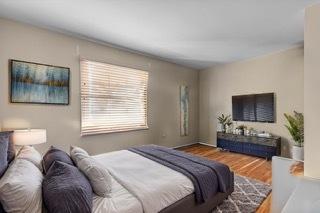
39, 83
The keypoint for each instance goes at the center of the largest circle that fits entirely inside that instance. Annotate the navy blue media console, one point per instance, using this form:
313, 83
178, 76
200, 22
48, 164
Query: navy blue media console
251, 145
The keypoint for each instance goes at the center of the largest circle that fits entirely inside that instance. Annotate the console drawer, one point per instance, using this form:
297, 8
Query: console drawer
230, 145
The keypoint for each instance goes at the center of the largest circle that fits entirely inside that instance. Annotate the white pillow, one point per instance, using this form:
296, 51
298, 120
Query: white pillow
98, 176
31, 154
77, 154
21, 188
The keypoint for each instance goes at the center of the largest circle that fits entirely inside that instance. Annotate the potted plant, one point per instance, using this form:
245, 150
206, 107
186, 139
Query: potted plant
295, 127
224, 121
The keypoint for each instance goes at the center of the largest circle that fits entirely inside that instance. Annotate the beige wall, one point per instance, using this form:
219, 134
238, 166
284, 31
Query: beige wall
311, 91
24, 42
281, 73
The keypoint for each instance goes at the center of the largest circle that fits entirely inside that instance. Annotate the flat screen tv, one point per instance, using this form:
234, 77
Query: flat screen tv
255, 108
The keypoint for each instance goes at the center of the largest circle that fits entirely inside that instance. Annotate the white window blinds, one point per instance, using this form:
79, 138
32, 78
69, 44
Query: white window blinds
113, 98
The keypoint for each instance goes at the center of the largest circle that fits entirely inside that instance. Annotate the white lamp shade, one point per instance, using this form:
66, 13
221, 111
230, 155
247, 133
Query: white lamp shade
29, 137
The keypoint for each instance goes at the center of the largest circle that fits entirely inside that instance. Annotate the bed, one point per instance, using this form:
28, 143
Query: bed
146, 179
143, 185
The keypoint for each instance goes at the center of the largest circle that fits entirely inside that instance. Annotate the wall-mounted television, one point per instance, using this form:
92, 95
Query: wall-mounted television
254, 108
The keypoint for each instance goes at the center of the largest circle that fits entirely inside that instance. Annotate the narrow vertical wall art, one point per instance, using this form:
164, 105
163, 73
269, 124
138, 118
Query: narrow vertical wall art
184, 110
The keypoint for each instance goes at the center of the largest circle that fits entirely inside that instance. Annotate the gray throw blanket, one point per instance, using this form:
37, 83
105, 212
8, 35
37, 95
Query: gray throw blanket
207, 176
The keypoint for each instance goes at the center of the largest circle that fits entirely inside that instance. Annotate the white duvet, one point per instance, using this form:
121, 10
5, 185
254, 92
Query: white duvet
144, 185
120, 201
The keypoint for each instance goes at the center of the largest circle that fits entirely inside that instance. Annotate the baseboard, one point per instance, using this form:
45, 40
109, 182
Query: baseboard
207, 144
190, 144
184, 145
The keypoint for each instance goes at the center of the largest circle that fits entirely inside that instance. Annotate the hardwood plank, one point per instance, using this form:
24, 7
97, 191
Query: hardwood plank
245, 165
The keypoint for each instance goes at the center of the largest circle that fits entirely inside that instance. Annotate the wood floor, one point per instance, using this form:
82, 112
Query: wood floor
249, 166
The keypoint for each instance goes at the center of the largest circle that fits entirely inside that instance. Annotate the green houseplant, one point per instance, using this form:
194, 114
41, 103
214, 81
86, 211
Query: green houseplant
224, 121
295, 127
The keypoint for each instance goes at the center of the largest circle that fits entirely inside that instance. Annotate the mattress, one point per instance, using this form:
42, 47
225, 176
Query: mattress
153, 185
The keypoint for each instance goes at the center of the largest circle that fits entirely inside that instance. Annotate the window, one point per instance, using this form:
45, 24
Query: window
113, 98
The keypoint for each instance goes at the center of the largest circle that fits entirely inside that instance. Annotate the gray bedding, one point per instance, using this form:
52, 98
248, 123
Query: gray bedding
208, 177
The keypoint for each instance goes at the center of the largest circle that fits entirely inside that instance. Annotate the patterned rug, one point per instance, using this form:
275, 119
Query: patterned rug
247, 196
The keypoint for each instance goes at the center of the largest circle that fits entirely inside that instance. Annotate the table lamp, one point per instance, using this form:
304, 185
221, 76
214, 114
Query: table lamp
29, 137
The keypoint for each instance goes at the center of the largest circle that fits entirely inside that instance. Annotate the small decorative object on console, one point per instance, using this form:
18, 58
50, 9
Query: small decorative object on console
241, 129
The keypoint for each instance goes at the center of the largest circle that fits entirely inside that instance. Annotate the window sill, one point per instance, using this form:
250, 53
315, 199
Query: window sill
111, 132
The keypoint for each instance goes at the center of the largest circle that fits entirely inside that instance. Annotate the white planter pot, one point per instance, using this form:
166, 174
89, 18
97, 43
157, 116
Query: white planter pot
298, 153
222, 128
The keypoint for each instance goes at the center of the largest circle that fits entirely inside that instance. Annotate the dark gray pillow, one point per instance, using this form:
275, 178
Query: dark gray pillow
11, 149
66, 190
1, 209
55, 154
4, 143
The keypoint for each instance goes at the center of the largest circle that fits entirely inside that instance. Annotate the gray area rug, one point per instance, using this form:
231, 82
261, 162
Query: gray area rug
248, 195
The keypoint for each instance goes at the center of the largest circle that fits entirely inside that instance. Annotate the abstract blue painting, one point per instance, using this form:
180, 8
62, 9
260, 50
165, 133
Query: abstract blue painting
39, 83
184, 110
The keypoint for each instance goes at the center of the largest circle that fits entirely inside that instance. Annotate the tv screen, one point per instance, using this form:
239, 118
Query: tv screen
255, 108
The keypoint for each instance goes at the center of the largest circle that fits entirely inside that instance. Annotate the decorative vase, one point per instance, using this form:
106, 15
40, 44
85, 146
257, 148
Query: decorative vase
241, 132
297, 153
228, 129
223, 128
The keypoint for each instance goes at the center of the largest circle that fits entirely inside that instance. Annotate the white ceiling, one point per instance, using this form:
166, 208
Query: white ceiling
193, 33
